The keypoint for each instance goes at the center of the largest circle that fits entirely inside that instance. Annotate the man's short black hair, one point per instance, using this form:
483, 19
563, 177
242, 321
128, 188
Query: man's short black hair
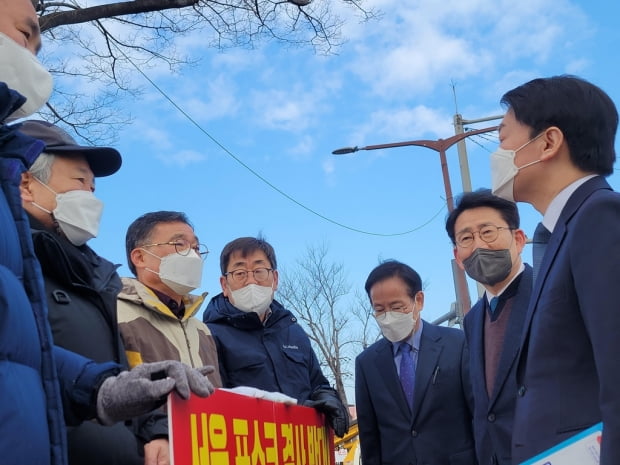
482, 198
393, 268
584, 113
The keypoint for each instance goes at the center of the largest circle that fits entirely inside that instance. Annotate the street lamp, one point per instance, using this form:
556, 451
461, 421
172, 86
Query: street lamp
440, 146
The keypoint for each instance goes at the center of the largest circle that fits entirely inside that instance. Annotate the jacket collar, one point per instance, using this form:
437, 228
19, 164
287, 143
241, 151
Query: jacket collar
135, 292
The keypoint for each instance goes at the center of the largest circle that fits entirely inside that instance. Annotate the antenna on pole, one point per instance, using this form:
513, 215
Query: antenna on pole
456, 104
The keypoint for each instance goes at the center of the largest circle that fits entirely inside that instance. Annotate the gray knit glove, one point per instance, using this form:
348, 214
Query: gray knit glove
145, 387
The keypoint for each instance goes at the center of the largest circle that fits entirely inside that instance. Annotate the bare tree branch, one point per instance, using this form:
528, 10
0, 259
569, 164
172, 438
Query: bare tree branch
316, 290
107, 41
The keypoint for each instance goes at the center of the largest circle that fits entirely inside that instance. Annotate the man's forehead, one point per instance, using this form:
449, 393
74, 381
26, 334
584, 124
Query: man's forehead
477, 217
253, 256
174, 230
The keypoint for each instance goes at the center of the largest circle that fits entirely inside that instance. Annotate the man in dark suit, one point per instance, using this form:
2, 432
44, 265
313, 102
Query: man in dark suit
412, 389
487, 242
556, 144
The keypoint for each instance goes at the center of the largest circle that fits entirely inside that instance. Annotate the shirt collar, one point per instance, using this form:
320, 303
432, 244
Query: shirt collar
490, 295
558, 203
177, 309
413, 340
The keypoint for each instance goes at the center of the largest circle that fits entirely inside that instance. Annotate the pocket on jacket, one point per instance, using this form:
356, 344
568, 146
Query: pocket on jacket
570, 430
466, 457
297, 367
294, 355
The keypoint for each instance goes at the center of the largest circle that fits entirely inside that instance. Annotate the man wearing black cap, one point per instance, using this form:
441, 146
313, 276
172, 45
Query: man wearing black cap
42, 381
81, 287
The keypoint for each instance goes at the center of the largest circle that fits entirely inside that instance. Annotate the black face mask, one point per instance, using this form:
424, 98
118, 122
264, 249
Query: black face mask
488, 266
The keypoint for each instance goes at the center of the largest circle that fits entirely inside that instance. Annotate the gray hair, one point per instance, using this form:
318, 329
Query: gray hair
42, 167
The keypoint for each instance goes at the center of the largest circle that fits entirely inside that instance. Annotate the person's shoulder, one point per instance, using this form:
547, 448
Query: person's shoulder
475, 309
449, 332
373, 348
214, 312
282, 315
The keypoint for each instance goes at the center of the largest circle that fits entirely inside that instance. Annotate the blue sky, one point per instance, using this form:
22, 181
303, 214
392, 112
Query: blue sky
281, 111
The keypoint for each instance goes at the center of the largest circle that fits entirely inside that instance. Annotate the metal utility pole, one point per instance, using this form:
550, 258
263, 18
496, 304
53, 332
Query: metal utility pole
463, 303
459, 123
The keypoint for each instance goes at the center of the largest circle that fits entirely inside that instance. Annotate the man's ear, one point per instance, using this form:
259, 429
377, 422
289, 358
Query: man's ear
137, 259
25, 187
224, 286
419, 299
553, 138
275, 280
459, 262
520, 239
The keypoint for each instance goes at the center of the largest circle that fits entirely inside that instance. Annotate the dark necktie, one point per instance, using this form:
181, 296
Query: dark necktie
407, 371
493, 303
541, 237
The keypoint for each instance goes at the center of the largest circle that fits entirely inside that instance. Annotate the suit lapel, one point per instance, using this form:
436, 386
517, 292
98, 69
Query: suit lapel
557, 237
476, 360
428, 356
513, 334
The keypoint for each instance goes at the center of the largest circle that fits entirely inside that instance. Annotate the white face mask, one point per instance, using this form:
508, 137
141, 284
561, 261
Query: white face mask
504, 170
252, 298
396, 326
21, 71
77, 213
181, 273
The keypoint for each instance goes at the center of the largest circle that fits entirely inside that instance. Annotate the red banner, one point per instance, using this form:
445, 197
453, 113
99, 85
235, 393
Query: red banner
231, 429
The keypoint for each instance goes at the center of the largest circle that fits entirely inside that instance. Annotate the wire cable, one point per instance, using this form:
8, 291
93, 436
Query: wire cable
258, 175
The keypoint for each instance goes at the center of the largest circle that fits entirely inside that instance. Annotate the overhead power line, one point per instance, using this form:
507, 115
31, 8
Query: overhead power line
258, 175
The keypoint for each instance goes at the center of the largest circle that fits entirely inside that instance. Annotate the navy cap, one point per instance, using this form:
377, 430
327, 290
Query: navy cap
103, 161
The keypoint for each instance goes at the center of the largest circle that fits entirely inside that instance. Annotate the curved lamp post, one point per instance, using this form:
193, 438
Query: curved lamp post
440, 146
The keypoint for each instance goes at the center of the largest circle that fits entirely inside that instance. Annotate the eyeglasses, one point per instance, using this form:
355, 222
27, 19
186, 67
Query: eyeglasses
487, 233
381, 312
241, 276
183, 247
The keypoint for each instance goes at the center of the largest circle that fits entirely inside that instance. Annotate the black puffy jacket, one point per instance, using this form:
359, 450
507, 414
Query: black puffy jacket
81, 289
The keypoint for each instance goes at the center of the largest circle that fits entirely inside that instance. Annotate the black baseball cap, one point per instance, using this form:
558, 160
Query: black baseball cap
103, 161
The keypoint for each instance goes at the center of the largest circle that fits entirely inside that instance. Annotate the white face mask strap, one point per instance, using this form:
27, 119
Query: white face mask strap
529, 141
35, 204
49, 189
43, 184
152, 271
151, 253
528, 164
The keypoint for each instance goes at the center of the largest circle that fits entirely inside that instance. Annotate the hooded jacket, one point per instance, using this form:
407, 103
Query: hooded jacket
37, 377
274, 356
151, 332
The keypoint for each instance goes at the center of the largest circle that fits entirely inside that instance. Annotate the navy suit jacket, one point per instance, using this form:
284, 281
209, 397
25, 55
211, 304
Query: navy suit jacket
568, 372
438, 432
494, 414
